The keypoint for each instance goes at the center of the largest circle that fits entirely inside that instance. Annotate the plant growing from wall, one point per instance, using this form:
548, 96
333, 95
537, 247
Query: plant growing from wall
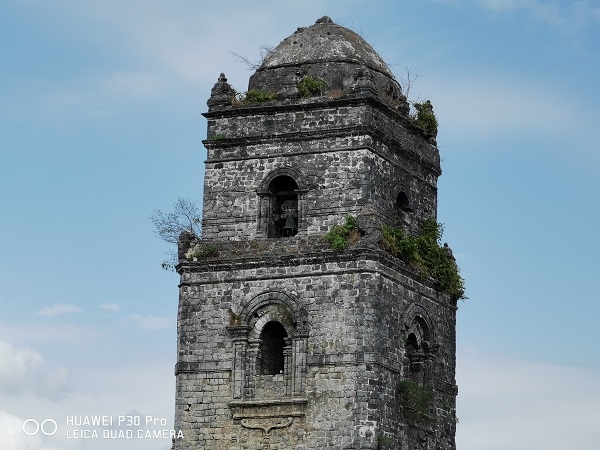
416, 400
234, 319
425, 117
256, 96
310, 86
384, 442
425, 254
205, 251
339, 235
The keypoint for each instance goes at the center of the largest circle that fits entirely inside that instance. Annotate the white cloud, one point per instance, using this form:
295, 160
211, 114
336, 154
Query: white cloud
173, 41
17, 366
162, 49
110, 307
149, 322
577, 17
58, 309
486, 105
12, 436
23, 370
49, 332
570, 18
52, 384
506, 404
96, 97
141, 390
503, 5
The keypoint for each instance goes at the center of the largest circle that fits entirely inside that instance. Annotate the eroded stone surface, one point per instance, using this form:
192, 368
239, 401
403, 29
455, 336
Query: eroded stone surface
354, 325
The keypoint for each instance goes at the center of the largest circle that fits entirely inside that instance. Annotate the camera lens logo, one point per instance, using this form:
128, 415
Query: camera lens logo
31, 427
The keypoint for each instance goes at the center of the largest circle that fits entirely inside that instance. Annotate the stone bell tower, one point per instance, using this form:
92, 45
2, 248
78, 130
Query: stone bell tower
284, 342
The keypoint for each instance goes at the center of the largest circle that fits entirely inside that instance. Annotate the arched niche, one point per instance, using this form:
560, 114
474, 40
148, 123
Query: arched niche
281, 203
419, 347
270, 340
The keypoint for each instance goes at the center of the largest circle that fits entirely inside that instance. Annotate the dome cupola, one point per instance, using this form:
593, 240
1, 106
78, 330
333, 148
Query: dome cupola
335, 56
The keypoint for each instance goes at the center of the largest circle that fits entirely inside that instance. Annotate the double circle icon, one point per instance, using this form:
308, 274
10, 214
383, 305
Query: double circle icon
48, 427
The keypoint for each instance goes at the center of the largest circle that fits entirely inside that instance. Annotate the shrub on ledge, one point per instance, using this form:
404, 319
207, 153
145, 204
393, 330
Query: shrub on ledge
425, 254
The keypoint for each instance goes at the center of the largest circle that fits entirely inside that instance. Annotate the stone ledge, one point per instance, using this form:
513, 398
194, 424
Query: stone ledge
263, 409
199, 367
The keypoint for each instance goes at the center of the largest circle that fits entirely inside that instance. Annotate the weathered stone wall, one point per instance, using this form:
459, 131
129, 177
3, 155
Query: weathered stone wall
355, 304
356, 154
357, 332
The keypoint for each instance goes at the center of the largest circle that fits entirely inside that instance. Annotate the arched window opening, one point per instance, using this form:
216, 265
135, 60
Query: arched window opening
402, 202
284, 207
417, 351
416, 363
411, 343
403, 210
272, 344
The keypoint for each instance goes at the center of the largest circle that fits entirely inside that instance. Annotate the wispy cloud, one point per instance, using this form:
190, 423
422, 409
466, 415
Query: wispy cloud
16, 365
142, 390
49, 332
23, 370
12, 436
58, 309
486, 105
520, 405
110, 307
568, 17
504, 5
149, 322
163, 50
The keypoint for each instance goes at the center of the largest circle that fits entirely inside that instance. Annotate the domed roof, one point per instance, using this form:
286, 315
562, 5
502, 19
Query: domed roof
341, 63
323, 42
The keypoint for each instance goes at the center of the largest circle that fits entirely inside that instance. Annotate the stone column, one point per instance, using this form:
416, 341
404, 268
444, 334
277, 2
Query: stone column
302, 222
300, 346
253, 369
288, 366
263, 214
239, 336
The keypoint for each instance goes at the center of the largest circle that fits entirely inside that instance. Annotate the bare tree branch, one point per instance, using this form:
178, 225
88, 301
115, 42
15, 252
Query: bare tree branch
184, 217
249, 64
265, 51
406, 80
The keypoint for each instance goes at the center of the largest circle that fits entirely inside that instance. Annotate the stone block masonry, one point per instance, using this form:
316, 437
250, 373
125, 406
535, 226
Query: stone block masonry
284, 343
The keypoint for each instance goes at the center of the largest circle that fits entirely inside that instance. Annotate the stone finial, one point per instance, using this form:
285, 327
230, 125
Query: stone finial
448, 252
221, 94
363, 82
369, 223
185, 242
324, 19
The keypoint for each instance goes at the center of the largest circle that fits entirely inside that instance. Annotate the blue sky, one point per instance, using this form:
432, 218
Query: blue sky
100, 125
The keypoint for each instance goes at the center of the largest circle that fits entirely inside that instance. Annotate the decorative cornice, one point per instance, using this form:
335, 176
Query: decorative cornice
238, 263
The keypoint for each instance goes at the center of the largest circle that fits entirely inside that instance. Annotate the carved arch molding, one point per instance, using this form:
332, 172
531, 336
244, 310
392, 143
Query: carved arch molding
420, 344
260, 310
